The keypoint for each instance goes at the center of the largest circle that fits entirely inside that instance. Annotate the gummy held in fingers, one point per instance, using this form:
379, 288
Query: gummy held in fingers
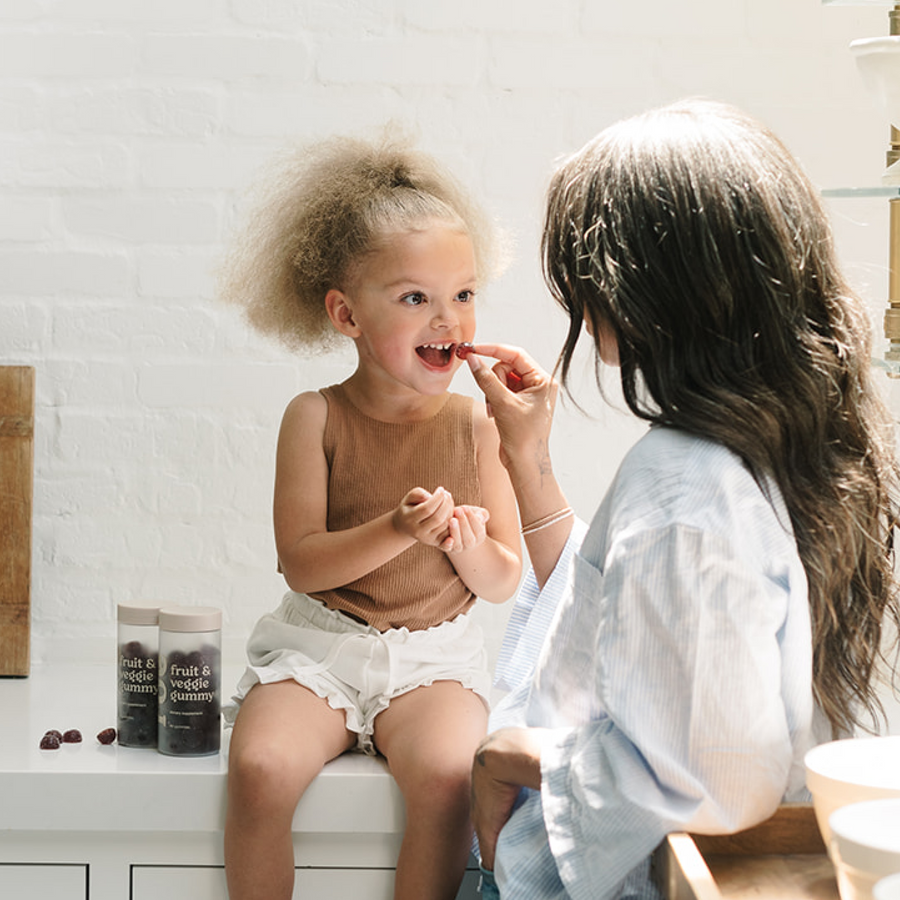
513, 379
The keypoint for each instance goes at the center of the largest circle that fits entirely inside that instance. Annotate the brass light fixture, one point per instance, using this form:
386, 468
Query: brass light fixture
878, 60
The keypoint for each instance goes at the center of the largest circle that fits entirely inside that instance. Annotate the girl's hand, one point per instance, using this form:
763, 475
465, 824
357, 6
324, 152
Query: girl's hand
424, 516
467, 529
520, 395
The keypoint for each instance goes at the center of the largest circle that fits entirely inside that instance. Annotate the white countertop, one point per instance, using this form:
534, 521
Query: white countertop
92, 787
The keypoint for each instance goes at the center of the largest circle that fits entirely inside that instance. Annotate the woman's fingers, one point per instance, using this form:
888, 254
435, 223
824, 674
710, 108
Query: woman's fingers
515, 358
523, 413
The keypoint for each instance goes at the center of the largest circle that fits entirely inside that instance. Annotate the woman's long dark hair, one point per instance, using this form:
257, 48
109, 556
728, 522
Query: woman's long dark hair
693, 234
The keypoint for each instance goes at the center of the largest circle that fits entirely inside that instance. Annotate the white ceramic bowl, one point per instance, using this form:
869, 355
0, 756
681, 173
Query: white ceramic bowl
850, 771
865, 846
878, 61
887, 888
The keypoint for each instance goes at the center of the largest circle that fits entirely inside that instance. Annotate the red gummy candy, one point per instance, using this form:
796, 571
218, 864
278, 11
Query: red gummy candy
464, 349
107, 736
72, 736
50, 741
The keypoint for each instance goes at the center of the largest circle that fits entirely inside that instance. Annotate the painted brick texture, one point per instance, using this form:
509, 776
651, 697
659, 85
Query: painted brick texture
128, 134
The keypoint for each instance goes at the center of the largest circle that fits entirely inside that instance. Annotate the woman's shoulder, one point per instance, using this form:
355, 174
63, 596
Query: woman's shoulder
673, 484
680, 456
673, 476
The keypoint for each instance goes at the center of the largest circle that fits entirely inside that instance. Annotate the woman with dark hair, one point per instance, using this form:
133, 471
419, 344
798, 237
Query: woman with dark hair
724, 611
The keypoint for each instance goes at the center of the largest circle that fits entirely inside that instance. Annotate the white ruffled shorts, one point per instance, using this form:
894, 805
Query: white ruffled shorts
355, 667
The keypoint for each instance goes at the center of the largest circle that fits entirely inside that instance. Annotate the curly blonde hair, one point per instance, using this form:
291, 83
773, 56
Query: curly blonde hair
318, 211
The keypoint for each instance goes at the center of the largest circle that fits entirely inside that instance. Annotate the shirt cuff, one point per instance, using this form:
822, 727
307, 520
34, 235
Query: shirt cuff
597, 834
532, 614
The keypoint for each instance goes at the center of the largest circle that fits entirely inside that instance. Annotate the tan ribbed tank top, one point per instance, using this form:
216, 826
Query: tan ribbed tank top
372, 465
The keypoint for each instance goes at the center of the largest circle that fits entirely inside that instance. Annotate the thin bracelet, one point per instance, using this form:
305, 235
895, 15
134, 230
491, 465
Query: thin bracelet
547, 521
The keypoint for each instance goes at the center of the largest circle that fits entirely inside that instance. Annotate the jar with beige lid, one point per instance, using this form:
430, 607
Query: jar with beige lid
190, 675
137, 652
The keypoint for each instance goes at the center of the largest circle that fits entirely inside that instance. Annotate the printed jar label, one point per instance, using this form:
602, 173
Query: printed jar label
189, 721
137, 695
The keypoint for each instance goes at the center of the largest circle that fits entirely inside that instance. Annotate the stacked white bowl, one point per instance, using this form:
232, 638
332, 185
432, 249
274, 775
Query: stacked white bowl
865, 846
855, 784
888, 888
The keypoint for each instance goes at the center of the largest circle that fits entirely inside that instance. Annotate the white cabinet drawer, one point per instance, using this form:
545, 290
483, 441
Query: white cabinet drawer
63, 882
208, 883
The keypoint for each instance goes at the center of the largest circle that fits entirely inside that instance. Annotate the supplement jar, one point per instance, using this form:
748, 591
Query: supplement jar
190, 673
138, 653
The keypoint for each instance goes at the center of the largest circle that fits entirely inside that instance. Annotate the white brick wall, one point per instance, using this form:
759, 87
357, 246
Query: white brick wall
128, 131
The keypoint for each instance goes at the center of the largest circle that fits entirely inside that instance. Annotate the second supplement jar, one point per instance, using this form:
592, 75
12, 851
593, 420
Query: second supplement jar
138, 649
190, 677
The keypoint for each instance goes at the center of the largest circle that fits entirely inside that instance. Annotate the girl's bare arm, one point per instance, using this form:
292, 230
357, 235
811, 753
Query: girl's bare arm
491, 567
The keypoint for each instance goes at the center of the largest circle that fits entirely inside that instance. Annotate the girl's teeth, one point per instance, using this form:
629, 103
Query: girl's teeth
436, 354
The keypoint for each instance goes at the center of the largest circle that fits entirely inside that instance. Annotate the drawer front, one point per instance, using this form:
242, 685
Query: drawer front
63, 882
208, 883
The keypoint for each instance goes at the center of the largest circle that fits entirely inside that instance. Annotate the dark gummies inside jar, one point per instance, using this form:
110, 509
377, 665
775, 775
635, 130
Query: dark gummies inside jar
138, 653
190, 677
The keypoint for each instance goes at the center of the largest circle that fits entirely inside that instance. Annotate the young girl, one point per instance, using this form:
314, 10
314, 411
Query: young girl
392, 512
724, 611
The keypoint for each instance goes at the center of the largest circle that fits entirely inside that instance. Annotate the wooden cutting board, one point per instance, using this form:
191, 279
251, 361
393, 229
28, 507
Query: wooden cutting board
16, 489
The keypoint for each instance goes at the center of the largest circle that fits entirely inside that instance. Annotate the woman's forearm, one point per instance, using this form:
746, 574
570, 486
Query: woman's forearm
524, 415
542, 508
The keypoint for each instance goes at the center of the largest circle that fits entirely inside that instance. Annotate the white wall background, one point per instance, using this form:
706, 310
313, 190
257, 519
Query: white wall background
128, 131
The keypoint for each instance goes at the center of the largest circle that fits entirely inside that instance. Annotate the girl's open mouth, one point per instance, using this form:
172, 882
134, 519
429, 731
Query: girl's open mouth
438, 356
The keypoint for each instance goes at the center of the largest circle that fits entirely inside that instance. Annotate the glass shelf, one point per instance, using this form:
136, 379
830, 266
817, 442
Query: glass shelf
881, 190
891, 367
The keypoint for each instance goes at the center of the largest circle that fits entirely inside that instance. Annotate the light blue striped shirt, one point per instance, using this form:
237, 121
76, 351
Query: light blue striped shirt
672, 656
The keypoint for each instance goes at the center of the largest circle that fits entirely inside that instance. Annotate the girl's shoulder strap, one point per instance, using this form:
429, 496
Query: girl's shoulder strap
336, 398
460, 403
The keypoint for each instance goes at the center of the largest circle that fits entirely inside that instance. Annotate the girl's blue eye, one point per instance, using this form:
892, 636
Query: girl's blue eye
465, 296
413, 299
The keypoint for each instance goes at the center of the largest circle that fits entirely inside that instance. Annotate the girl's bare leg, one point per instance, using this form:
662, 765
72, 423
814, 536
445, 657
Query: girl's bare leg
282, 737
429, 737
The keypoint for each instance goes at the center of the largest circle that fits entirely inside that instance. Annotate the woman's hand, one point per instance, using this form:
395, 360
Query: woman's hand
424, 516
521, 397
506, 761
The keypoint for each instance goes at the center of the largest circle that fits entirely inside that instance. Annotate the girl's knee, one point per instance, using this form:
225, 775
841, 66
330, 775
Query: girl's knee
438, 784
265, 778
